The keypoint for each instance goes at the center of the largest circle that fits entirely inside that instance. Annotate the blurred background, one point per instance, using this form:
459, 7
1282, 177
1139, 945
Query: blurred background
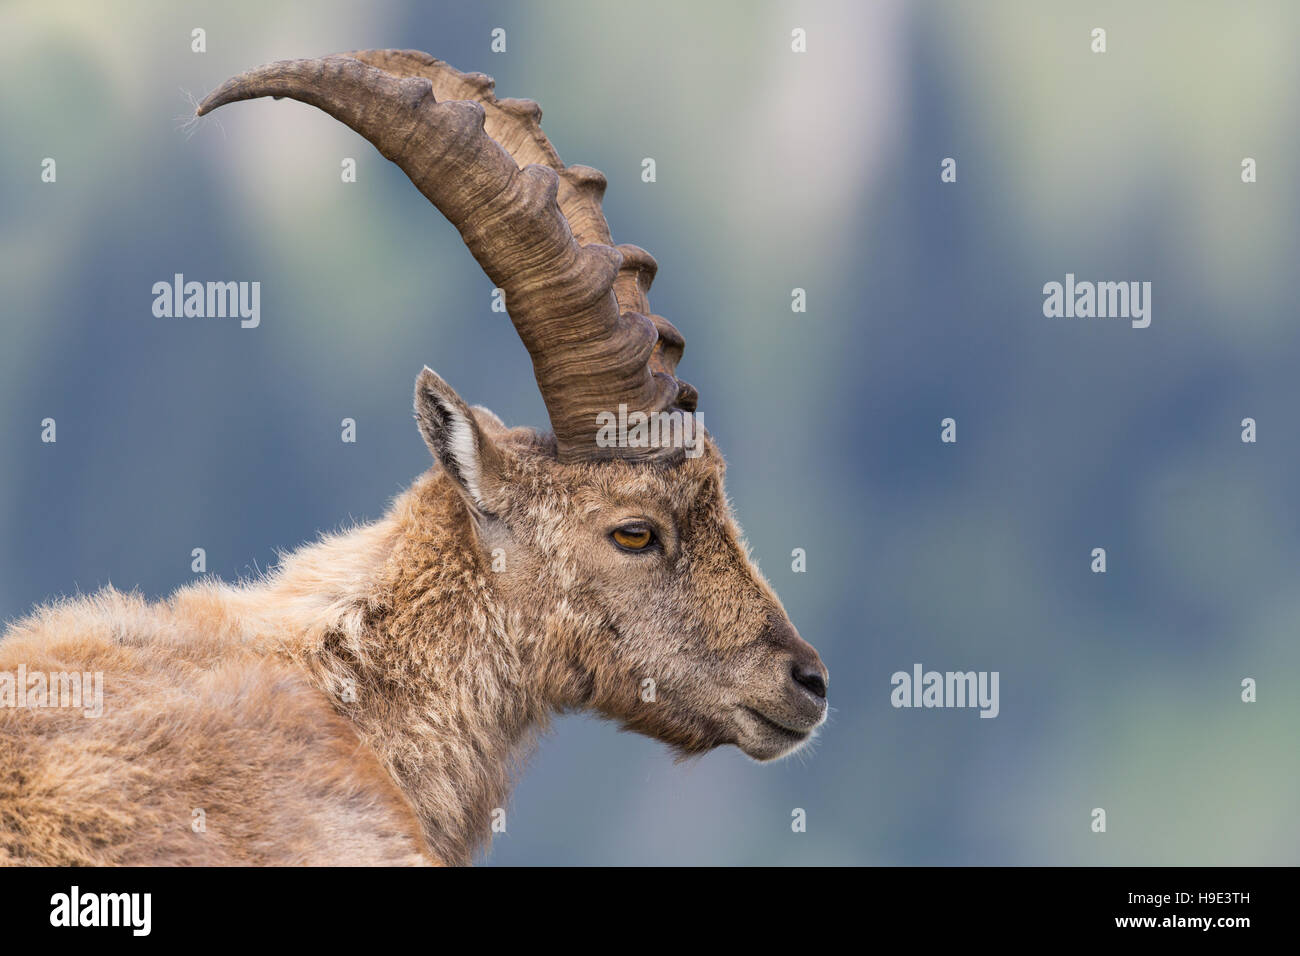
775, 170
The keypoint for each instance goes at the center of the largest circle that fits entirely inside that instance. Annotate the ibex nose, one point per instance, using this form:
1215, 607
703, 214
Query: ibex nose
810, 679
806, 667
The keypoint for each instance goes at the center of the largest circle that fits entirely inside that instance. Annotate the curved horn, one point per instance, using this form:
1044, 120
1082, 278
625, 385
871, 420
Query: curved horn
537, 231
517, 126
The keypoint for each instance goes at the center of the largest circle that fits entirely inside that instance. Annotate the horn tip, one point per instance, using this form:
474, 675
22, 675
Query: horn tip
214, 100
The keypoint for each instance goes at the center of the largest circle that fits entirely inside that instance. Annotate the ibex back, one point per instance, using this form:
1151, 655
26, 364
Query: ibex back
365, 702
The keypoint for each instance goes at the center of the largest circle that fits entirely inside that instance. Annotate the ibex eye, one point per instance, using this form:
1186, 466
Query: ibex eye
633, 537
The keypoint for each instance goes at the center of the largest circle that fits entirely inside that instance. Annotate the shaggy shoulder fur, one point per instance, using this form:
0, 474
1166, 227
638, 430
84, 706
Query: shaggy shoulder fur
259, 723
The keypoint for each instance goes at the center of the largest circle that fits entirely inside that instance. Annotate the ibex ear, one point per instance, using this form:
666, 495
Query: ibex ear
450, 430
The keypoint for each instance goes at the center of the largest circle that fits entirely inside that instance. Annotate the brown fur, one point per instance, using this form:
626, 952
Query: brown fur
366, 702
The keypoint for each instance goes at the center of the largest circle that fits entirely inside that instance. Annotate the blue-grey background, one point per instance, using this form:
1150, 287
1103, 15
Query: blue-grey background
776, 170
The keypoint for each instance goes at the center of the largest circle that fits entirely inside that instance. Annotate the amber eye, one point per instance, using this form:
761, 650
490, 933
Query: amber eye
633, 537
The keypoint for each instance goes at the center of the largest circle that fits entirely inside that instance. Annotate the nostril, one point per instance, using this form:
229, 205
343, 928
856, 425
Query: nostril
810, 679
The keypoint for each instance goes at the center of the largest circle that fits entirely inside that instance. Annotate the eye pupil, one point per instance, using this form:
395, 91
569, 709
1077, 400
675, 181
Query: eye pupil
634, 539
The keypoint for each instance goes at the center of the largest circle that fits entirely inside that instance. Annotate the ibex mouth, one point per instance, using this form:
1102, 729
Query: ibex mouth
778, 727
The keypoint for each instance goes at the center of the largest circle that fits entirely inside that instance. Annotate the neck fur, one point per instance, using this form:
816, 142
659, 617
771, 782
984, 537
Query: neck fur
399, 623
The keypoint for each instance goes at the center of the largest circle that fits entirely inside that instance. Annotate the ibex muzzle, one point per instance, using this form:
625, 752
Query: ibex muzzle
365, 702
787, 698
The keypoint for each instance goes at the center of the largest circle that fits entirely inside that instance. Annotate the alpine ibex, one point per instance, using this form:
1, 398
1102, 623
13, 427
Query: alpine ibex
365, 701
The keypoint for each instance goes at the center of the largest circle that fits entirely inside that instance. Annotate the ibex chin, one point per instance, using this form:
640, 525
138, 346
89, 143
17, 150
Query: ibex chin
365, 702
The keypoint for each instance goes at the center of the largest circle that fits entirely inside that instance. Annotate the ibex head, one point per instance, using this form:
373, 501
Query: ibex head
619, 550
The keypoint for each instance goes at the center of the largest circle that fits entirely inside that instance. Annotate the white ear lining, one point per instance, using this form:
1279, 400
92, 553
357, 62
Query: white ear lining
451, 433
461, 447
